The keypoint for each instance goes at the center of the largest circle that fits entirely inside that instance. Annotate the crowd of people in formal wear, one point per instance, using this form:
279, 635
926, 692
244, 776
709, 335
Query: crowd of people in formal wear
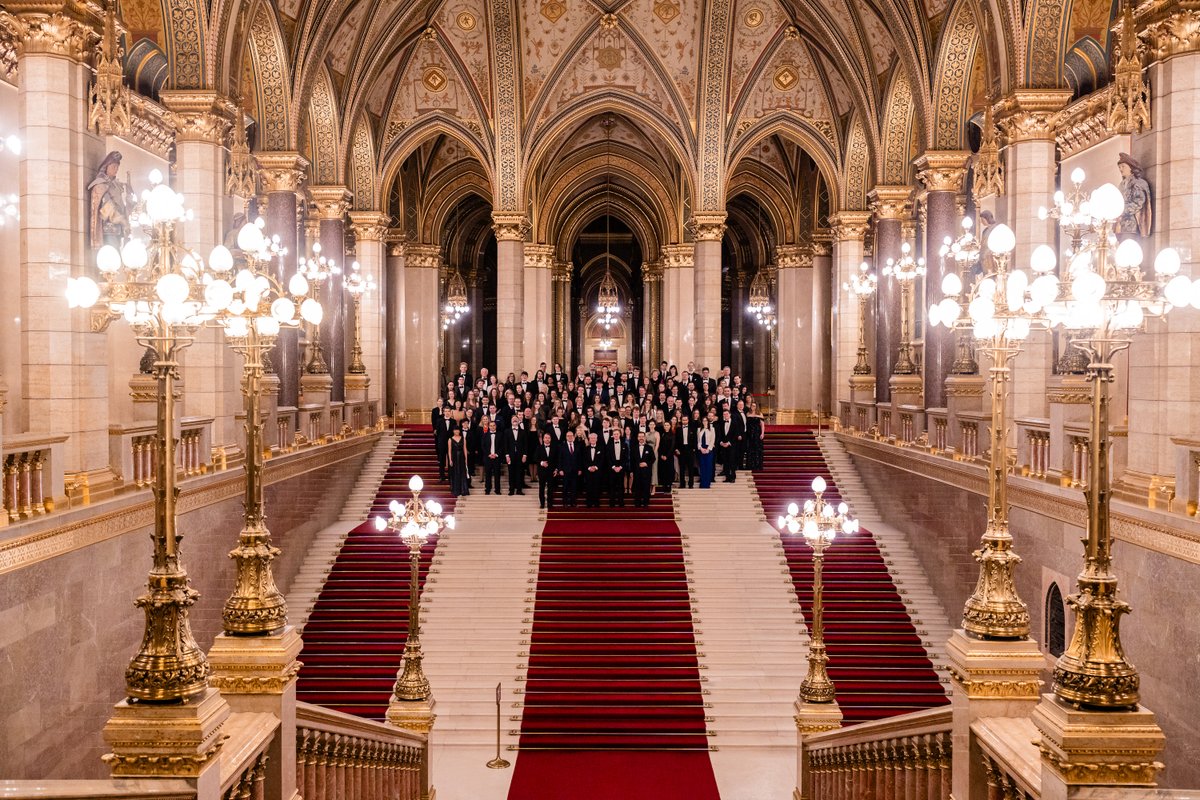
597, 434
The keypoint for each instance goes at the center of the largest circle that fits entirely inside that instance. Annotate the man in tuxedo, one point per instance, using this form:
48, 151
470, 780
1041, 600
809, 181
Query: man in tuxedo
471, 436
438, 419
515, 456
727, 439
593, 471
569, 464
491, 454
740, 423
618, 456
547, 466
643, 467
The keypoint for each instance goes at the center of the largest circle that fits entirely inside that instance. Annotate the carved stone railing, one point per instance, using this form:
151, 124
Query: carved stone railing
244, 755
31, 480
1033, 448
969, 438
902, 758
131, 450
113, 789
343, 757
939, 429
1010, 757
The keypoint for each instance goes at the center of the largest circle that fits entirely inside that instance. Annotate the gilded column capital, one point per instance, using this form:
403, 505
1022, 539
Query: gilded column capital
510, 227
282, 171
822, 248
708, 227
67, 29
561, 272
794, 256
942, 170
539, 256
849, 226
198, 115
1172, 27
422, 256
652, 272
369, 226
891, 202
331, 202
677, 256
1028, 115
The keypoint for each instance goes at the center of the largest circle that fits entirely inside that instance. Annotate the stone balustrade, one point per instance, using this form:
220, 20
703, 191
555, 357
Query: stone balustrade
343, 757
1010, 758
938, 420
32, 477
1033, 447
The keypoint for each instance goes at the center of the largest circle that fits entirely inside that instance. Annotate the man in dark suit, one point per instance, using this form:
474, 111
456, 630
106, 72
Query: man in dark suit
547, 467
515, 456
593, 471
643, 466
727, 441
470, 435
685, 448
491, 455
569, 465
438, 419
618, 455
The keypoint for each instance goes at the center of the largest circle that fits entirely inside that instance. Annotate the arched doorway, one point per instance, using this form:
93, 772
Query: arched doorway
606, 246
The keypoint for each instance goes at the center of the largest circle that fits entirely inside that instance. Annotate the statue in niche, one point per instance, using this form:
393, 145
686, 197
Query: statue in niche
108, 204
1136, 219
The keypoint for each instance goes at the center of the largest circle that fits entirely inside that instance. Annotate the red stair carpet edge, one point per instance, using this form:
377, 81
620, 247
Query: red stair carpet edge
613, 775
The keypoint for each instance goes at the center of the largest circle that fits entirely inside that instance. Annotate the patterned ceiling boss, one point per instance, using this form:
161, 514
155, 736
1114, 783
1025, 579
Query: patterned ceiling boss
553, 9
666, 10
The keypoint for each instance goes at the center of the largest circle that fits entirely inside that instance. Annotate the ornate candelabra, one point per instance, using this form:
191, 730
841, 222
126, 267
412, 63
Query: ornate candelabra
252, 309
1003, 307
1106, 301
1071, 210
155, 284
317, 270
414, 522
358, 285
906, 271
863, 285
819, 522
965, 250
456, 306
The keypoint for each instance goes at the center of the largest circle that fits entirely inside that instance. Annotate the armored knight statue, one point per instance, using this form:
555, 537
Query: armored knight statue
1136, 219
108, 206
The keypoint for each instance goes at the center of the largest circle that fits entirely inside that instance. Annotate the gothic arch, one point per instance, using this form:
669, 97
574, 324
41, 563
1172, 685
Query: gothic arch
324, 143
765, 190
362, 167
403, 143
620, 206
895, 168
857, 171
184, 26
789, 126
952, 86
273, 85
1048, 23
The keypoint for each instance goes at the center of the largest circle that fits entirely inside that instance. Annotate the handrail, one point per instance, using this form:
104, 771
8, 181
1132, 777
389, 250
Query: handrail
319, 718
244, 754
343, 757
1011, 760
114, 789
930, 720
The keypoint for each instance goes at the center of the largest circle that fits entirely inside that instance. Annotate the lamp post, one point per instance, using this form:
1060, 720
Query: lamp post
906, 271
414, 522
1071, 210
1003, 307
317, 270
358, 285
965, 250
863, 286
155, 285
252, 310
819, 522
1106, 301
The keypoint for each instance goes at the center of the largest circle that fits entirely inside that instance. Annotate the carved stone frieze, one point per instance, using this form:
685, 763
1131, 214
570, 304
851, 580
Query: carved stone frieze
150, 126
1171, 27
1084, 123
539, 256
369, 226
510, 227
422, 256
793, 256
708, 228
198, 116
70, 29
676, 256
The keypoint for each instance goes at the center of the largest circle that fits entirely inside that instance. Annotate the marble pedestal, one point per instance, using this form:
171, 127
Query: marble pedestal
357, 385
964, 393
412, 715
862, 399
316, 390
180, 740
906, 393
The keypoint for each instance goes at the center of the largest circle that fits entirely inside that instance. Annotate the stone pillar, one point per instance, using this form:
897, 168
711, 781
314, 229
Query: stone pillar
539, 306
793, 382
397, 322
562, 314
891, 206
474, 283
849, 228
283, 174
60, 159
739, 326
1026, 117
941, 172
422, 329
331, 203
708, 230
822, 340
679, 292
510, 293
369, 228
652, 282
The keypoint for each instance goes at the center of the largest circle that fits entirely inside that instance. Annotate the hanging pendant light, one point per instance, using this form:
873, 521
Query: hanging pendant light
608, 299
456, 289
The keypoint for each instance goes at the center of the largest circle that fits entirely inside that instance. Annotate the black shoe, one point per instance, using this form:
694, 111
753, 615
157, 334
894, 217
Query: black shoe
511, 492
541, 505
521, 492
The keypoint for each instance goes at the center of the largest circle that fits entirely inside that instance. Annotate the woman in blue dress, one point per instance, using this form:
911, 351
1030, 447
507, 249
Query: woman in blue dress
706, 443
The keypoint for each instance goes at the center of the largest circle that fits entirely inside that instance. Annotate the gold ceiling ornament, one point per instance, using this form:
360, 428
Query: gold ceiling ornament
989, 170
108, 104
754, 17
1129, 102
786, 77
666, 10
465, 21
434, 79
553, 9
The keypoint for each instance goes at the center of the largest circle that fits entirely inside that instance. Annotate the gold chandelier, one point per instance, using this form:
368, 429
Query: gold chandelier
456, 306
760, 300
608, 299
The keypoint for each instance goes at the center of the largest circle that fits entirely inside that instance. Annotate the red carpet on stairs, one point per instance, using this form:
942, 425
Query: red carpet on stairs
876, 660
613, 702
354, 639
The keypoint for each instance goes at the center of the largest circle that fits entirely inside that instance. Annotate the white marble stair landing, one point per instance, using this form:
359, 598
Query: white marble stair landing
753, 642
472, 611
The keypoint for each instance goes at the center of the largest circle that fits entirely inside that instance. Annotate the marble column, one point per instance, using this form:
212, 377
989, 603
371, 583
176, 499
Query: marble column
1026, 117
397, 320
59, 160
331, 203
794, 390
422, 329
539, 305
474, 281
510, 293
282, 175
708, 230
652, 317
822, 316
941, 172
739, 325
562, 314
849, 229
679, 293
891, 206
369, 228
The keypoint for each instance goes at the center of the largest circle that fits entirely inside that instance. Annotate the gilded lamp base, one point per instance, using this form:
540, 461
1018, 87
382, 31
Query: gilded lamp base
995, 611
256, 606
169, 667
412, 715
1093, 672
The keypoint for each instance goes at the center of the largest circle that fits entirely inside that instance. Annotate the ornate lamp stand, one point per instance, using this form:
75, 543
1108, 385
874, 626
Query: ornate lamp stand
317, 270
862, 285
905, 381
412, 698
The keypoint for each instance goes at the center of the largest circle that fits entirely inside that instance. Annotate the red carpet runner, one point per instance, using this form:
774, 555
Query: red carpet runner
876, 660
354, 639
613, 705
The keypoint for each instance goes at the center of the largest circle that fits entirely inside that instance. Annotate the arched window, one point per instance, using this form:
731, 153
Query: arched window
1056, 622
